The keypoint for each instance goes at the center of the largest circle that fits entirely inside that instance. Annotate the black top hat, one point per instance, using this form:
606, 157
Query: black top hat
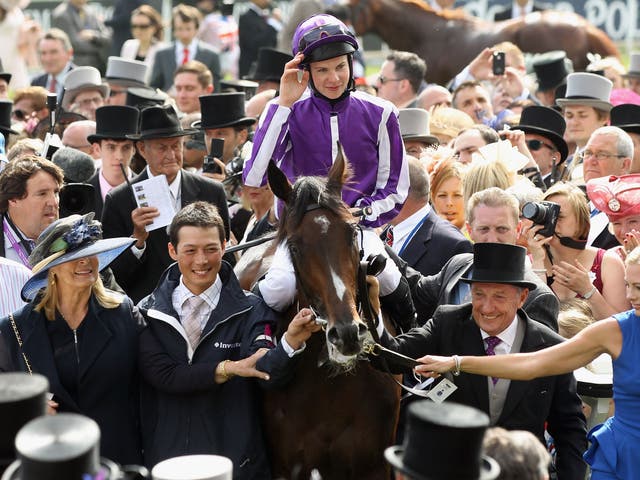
65, 445
269, 66
142, 98
499, 263
22, 398
6, 76
160, 121
551, 70
443, 442
115, 122
6, 107
627, 117
248, 87
221, 110
546, 122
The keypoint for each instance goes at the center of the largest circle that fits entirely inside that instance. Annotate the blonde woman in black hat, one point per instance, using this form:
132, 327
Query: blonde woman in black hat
81, 336
613, 453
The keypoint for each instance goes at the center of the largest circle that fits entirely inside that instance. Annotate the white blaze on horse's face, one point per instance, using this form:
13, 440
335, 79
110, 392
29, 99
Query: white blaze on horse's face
324, 223
339, 285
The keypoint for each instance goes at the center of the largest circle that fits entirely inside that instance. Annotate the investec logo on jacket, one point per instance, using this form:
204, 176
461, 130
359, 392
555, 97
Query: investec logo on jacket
227, 345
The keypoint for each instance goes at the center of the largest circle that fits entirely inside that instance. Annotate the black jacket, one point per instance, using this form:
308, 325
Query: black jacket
528, 404
184, 411
107, 387
138, 277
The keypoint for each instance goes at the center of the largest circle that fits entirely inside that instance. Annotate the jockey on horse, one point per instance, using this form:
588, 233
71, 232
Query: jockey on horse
317, 107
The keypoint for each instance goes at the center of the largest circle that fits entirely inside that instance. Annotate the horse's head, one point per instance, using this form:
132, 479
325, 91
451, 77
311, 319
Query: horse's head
322, 237
361, 16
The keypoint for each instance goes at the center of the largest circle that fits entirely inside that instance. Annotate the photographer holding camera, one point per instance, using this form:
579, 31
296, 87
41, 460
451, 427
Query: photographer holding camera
557, 242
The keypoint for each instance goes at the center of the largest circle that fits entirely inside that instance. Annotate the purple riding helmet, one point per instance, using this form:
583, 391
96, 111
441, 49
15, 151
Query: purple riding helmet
322, 37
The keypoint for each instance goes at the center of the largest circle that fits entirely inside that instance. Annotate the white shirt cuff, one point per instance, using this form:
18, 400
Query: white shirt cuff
138, 252
289, 349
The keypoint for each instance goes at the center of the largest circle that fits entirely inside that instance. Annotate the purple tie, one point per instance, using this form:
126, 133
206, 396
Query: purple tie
492, 343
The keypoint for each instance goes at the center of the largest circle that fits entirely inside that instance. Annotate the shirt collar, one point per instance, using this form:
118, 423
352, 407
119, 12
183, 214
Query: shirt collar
404, 228
508, 335
211, 295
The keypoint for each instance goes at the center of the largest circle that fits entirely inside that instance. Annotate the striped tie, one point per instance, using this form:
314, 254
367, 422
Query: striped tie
191, 313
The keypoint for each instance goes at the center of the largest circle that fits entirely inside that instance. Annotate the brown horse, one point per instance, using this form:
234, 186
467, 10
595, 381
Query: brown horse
448, 41
338, 414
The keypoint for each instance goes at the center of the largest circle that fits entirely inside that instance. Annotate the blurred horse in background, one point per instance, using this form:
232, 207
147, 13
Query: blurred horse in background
449, 40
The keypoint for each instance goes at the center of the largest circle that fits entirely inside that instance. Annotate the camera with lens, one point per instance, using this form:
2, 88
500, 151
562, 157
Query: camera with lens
542, 213
77, 198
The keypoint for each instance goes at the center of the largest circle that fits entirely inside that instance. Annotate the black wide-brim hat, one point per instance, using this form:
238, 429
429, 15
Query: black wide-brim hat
160, 121
499, 263
6, 107
142, 98
547, 122
443, 442
53, 447
627, 117
269, 66
221, 110
115, 122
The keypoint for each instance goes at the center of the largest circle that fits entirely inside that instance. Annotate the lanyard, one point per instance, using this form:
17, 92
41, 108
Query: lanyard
15, 244
412, 233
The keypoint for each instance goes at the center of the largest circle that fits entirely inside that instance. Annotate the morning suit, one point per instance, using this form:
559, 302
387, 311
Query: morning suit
527, 404
433, 244
507, 12
106, 388
164, 65
429, 292
138, 277
254, 33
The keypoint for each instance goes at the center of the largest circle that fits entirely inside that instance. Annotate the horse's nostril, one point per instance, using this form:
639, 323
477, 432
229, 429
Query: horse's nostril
333, 336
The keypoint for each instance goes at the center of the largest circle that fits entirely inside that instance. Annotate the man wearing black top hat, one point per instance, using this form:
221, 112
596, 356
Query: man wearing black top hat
493, 324
544, 129
113, 124
627, 117
551, 72
160, 142
268, 68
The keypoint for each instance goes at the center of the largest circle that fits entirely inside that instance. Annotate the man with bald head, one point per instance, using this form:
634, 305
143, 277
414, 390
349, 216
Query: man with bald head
434, 96
75, 136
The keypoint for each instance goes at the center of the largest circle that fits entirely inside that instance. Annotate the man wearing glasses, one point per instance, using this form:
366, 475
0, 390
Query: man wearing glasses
400, 78
608, 152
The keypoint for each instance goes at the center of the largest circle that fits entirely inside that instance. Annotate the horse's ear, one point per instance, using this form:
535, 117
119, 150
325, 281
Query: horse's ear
278, 182
340, 171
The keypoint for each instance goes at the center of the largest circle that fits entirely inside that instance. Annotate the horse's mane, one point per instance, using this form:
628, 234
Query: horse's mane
310, 191
456, 14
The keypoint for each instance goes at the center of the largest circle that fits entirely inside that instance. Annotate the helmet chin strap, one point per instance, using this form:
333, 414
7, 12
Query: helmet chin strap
572, 243
351, 86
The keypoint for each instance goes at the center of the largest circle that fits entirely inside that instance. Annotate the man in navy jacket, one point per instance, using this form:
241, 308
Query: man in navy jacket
197, 362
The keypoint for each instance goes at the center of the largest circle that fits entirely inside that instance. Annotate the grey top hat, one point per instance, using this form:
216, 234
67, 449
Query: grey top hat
414, 125
127, 73
634, 66
80, 79
587, 89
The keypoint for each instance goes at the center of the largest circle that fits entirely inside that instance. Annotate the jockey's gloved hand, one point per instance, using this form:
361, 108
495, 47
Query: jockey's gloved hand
399, 306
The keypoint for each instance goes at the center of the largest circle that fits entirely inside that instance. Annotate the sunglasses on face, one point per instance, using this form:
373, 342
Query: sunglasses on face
535, 145
140, 26
20, 115
382, 80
